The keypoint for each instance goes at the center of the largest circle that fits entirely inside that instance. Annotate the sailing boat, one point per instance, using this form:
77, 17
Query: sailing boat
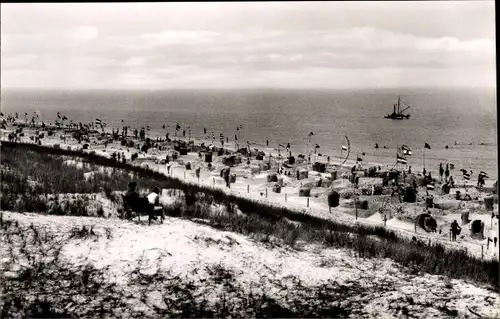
399, 114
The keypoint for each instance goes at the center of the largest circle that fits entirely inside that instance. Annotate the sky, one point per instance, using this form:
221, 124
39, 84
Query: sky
248, 45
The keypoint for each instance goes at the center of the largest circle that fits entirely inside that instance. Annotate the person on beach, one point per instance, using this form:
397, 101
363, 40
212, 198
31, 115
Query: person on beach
451, 182
131, 190
447, 173
184, 133
455, 230
441, 171
154, 197
267, 142
424, 172
204, 131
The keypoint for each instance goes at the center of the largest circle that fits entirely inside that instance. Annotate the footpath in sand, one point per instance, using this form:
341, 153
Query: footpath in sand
251, 182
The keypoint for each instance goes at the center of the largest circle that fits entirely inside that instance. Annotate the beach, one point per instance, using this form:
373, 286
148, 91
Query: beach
252, 181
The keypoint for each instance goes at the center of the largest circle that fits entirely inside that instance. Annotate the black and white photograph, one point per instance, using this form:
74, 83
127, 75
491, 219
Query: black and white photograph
287, 159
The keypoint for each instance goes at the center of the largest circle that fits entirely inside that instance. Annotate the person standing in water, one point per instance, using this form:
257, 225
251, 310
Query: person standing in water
441, 171
447, 173
267, 142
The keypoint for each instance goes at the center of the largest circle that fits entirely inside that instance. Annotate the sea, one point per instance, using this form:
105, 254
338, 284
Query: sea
465, 120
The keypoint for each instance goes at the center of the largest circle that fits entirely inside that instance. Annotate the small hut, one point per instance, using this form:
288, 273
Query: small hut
477, 229
426, 222
410, 195
232, 178
280, 181
319, 167
361, 204
488, 203
303, 174
333, 199
272, 178
334, 175
304, 192
208, 157
276, 188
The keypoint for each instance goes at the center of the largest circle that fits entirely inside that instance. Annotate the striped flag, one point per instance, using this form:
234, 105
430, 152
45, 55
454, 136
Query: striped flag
98, 122
466, 175
401, 159
427, 146
344, 148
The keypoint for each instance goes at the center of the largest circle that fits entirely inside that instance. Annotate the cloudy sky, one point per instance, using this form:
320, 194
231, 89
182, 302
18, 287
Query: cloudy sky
254, 44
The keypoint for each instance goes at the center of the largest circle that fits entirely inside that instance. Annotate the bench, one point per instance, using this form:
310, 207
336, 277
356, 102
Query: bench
141, 205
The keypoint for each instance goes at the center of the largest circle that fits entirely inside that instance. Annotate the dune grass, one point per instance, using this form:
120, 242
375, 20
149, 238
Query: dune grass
262, 220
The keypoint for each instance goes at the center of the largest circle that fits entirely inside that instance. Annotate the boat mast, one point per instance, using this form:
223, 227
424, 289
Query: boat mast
399, 100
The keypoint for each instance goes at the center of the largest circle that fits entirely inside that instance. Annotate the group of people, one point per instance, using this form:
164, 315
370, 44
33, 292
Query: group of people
153, 198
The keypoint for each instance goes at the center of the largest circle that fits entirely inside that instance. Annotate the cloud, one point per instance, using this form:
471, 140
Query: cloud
201, 58
135, 61
83, 33
19, 61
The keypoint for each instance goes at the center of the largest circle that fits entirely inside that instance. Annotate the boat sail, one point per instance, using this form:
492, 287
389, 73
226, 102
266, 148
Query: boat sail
399, 115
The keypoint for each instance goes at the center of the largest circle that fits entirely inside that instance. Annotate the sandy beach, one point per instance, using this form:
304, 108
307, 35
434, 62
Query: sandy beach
251, 181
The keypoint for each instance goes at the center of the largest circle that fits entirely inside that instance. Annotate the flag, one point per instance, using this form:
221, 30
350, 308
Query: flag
64, 118
98, 122
344, 148
406, 150
483, 174
281, 145
430, 187
466, 175
316, 146
427, 146
311, 134
401, 159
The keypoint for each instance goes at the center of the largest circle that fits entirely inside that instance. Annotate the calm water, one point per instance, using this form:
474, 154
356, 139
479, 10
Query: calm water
438, 117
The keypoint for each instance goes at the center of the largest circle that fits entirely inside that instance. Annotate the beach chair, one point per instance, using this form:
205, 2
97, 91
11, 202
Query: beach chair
141, 205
